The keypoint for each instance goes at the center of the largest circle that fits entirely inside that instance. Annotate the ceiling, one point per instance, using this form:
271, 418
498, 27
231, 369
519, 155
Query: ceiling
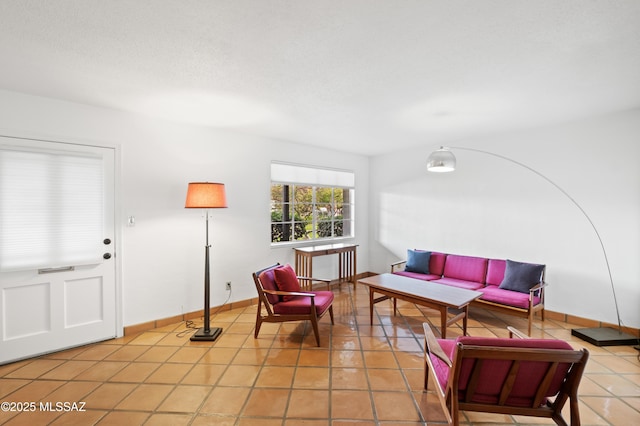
363, 76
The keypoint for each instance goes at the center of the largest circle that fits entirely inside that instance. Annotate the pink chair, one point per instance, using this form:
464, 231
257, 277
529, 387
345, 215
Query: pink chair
286, 297
527, 377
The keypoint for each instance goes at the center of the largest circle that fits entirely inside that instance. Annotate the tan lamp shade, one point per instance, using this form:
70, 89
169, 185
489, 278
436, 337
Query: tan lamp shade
205, 195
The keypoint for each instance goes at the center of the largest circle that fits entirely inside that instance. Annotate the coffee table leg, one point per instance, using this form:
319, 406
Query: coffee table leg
464, 320
371, 302
443, 322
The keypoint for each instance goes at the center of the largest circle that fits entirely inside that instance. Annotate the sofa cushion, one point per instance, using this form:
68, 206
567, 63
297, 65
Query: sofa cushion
418, 261
466, 268
495, 271
492, 293
286, 280
418, 276
436, 263
454, 282
519, 276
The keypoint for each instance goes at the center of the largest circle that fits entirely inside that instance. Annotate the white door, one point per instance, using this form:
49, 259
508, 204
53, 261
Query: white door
57, 268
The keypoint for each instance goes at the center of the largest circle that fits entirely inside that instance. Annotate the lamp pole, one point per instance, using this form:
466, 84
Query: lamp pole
443, 160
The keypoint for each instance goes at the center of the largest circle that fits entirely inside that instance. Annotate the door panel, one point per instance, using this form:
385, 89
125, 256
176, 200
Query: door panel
61, 306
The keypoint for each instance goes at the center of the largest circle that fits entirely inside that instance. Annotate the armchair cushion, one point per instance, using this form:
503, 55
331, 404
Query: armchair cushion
418, 261
519, 276
268, 281
299, 305
286, 280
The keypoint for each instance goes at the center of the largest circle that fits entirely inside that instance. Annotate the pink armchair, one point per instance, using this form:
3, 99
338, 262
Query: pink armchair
528, 377
286, 297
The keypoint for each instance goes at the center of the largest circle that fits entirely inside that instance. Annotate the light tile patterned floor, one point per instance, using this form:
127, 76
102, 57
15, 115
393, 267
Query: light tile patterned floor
362, 374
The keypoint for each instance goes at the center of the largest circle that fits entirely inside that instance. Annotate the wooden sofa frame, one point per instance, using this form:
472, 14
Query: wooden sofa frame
528, 313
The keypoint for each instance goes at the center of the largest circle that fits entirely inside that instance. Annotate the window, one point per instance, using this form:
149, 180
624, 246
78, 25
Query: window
309, 203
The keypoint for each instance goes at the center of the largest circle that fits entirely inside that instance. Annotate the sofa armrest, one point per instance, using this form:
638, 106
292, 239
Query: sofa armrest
432, 346
537, 289
397, 264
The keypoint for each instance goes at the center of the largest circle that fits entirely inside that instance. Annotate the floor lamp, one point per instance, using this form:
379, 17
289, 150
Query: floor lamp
206, 195
443, 160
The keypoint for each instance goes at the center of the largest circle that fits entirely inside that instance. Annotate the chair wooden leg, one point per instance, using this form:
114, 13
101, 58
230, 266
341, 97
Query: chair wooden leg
455, 412
314, 323
331, 313
258, 324
258, 321
559, 420
426, 374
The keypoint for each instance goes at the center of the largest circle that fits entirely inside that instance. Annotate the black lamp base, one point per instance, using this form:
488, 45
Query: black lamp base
605, 336
203, 335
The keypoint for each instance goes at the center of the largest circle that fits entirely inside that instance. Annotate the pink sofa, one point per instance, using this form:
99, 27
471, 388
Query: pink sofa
522, 299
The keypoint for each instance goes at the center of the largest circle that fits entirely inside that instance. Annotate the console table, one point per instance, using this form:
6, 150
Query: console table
346, 260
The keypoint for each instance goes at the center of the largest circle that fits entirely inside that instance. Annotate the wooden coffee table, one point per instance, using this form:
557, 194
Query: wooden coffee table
437, 296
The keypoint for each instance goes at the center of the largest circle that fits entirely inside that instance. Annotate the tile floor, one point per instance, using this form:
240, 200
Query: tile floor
362, 374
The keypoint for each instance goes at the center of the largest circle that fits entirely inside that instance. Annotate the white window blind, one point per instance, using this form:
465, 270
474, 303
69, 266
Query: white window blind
285, 173
51, 210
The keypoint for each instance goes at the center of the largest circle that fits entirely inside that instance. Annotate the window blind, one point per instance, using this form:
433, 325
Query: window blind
51, 209
290, 173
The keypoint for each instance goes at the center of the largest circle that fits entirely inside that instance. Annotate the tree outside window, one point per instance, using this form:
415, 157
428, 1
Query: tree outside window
303, 212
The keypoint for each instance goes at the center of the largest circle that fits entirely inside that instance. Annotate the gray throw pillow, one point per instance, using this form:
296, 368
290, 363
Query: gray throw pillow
519, 276
418, 261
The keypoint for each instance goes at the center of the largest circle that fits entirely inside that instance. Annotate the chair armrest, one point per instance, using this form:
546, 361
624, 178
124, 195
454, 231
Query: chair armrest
311, 280
396, 264
314, 279
432, 345
514, 332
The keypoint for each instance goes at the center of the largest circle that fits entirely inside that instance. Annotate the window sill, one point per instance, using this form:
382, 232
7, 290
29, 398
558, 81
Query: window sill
307, 243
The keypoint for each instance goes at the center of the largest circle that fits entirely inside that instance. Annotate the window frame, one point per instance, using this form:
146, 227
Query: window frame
322, 174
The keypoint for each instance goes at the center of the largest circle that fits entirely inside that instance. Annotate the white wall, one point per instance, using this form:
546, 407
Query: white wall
491, 207
163, 254
488, 207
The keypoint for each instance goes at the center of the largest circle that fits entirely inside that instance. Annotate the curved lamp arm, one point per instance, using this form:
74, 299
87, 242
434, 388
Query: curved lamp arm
443, 160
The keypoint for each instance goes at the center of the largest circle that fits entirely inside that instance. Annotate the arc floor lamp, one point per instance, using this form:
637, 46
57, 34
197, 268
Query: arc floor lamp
206, 195
443, 160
